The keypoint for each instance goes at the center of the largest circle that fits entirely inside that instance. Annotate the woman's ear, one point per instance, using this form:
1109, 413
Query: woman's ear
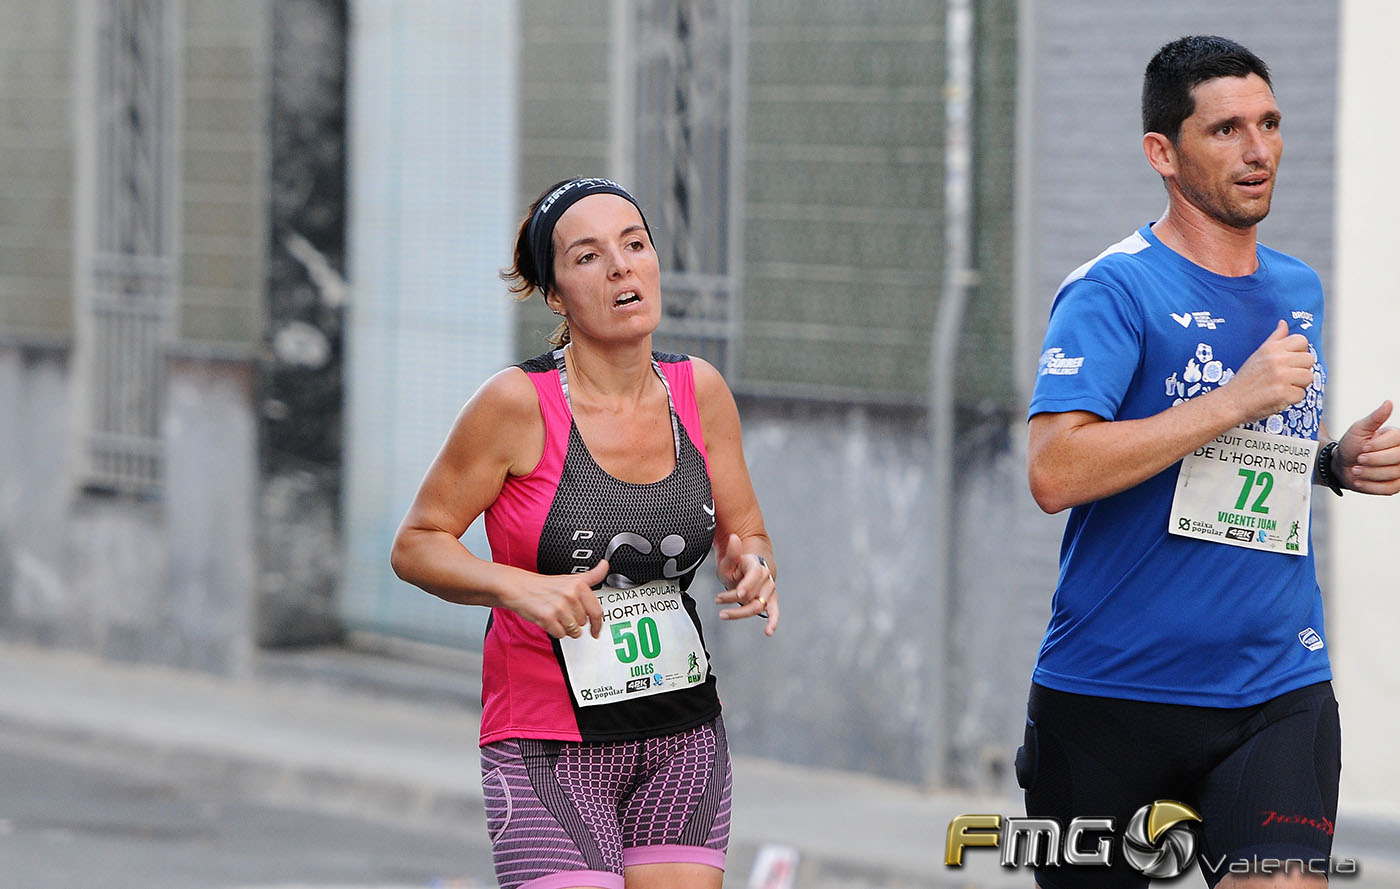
551, 299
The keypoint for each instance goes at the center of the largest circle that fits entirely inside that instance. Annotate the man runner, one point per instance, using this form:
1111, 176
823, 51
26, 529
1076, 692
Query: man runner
1178, 415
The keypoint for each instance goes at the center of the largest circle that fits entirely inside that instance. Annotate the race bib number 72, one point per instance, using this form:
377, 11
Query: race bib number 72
1249, 489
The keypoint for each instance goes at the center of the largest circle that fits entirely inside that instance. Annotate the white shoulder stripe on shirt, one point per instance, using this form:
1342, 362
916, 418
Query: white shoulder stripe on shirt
1134, 243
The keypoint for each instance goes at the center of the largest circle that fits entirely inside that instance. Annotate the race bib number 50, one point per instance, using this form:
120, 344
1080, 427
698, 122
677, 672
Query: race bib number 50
1249, 489
648, 646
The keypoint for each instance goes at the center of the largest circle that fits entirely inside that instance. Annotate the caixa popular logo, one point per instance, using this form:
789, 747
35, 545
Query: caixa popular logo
1157, 841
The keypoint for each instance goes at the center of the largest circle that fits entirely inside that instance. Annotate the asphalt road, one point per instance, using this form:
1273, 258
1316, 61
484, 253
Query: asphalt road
72, 825
70, 820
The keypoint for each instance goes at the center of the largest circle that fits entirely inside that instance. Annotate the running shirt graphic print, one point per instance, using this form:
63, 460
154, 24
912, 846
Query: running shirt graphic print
647, 532
1202, 372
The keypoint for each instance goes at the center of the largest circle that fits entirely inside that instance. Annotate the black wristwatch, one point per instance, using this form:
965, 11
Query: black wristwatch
1324, 468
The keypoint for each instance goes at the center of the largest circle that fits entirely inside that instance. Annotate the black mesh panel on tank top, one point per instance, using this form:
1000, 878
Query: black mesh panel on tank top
662, 529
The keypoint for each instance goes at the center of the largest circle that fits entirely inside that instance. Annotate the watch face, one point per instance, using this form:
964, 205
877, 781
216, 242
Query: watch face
1324, 468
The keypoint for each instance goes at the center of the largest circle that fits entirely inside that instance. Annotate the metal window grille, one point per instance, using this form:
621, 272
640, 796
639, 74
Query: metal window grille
132, 268
682, 164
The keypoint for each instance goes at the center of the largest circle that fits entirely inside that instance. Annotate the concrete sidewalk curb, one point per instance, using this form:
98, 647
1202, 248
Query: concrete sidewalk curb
328, 790
317, 744
327, 740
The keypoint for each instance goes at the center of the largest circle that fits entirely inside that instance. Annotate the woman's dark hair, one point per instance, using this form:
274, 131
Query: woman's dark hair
1182, 65
530, 273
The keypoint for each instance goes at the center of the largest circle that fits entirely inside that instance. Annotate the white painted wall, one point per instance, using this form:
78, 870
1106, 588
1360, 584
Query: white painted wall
1364, 370
432, 133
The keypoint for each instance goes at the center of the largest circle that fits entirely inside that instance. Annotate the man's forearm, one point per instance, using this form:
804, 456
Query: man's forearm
1077, 457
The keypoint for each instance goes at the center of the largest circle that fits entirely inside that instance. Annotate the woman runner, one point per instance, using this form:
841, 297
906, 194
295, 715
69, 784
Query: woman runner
606, 471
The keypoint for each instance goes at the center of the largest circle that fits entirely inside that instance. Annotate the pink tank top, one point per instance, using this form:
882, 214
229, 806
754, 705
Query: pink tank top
566, 515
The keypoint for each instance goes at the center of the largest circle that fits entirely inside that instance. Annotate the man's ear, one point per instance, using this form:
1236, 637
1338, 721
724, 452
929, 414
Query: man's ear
1161, 153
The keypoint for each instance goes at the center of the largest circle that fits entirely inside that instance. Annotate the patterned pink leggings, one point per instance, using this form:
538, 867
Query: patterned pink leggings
571, 814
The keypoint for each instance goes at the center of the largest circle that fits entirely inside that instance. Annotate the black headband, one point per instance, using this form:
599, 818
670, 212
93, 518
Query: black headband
543, 220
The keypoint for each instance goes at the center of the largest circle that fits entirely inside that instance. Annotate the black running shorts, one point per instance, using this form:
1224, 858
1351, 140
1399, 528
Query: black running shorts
1263, 778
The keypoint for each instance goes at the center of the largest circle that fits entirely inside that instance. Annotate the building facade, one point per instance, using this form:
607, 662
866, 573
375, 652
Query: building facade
249, 276
165, 206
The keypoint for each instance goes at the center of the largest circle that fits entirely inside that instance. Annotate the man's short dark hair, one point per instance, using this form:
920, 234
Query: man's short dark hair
1179, 67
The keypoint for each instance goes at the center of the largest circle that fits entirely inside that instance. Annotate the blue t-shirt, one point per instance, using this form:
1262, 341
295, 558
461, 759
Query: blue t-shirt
1140, 613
